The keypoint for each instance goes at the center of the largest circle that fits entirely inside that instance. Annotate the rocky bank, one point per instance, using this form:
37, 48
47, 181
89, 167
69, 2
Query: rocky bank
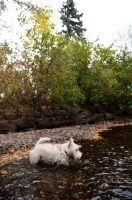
47, 115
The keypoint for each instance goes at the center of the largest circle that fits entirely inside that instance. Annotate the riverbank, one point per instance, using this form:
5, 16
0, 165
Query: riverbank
103, 172
17, 145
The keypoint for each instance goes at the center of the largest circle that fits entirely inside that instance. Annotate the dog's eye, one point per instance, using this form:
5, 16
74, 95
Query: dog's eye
76, 149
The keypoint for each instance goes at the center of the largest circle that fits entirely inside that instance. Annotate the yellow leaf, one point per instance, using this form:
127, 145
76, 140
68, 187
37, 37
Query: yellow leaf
42, 194
36, 181
45, 181
41, 181
4, 172
35, 171
76, 196
78, 183
61, 187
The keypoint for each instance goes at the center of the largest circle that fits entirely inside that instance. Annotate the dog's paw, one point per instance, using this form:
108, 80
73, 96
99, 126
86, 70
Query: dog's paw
63, 162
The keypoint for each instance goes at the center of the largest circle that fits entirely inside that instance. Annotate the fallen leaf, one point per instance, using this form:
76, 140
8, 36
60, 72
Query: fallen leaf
42, 194
35, 171
41, 181
61, 187
22, 169
78, 183
4, 172
76, 196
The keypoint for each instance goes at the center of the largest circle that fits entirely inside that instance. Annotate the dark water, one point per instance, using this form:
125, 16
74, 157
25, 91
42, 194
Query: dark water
104, 172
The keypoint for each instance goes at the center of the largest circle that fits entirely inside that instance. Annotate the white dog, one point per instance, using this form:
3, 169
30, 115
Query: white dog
54, 153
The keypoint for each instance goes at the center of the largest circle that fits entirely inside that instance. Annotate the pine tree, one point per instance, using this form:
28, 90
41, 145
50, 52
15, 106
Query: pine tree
71, 20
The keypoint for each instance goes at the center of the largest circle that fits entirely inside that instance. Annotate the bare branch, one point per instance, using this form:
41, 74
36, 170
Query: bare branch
25, 5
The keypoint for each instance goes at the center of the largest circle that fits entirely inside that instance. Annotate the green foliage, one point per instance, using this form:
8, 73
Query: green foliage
5, 69
98, 79
123, 75
108, 81
37, 46
2, 6
5, 51
65, 89
68, 71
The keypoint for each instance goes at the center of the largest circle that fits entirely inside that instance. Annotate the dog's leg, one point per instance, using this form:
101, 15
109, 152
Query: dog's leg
62, 161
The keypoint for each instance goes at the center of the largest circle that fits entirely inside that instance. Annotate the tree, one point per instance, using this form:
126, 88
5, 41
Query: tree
71, 20
124, 37
13, 5
2, 6
26, 5
37, 45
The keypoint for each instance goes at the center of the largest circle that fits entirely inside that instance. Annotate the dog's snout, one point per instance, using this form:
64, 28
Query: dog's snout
78, 156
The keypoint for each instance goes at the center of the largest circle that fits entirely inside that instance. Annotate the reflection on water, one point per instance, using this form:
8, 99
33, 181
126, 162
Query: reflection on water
104, 172
109, 172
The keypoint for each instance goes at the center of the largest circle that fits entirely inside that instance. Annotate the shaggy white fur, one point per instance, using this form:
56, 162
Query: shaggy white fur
54, 153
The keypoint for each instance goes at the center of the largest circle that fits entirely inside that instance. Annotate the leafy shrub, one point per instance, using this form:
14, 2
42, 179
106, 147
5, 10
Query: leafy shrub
68, 71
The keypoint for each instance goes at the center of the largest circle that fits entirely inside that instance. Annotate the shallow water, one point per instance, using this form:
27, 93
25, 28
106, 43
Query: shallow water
104, 172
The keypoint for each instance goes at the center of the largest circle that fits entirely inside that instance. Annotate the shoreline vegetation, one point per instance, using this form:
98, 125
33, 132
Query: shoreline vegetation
71, 72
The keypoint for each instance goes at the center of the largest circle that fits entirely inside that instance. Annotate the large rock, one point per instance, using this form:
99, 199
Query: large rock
7, 126
26, 123
42, 124
60, 113
85, 112
29, 113
109, 116
95, 118
11, 116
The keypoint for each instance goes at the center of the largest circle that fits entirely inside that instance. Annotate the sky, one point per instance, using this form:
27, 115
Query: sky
102, 18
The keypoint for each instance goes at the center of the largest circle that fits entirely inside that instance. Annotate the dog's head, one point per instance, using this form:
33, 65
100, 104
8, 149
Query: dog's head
73, 149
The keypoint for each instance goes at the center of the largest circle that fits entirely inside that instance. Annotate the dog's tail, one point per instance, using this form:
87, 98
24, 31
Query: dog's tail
43, 140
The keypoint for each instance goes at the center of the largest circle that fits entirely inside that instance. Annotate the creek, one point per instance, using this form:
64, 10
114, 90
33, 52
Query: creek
103, 173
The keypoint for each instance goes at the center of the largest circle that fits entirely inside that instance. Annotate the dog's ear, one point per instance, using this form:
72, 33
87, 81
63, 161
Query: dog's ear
70, 142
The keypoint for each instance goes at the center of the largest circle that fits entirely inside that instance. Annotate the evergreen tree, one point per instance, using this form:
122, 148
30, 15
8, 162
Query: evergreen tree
71, 20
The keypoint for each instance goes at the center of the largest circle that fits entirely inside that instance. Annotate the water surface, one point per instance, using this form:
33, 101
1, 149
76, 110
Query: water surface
104, 172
